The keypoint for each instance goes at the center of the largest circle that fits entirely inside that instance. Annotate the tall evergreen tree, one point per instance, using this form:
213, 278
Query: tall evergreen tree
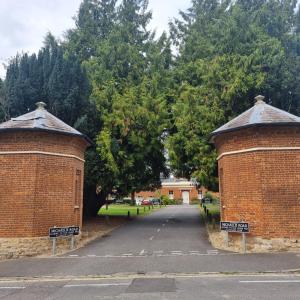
125, 76
57, 80
4, 114
94, 22
229, 51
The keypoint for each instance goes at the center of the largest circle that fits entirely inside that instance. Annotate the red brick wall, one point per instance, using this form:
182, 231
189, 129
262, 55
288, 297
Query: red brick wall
38, 191
261, 187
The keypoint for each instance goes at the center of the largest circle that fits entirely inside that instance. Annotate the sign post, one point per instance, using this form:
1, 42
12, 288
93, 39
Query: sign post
53, 246
56, 232
244, 242
239, 227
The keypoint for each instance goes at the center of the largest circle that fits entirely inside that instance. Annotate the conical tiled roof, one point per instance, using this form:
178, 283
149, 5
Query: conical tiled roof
260, 114
40, 119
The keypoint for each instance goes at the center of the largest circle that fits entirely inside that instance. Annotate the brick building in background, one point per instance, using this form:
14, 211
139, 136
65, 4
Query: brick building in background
259, 171
41, 174
175, 188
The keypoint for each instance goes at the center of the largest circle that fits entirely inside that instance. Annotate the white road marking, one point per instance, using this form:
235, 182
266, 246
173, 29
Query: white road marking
158, 230
91, 255
151, 238
73, 255
139, 256
127, 254
95, 285
142, 252
12, 287
214, 252
176, 253
158, 251
269, 281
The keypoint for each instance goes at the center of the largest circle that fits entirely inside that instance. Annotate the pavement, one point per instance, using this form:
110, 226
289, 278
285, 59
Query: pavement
169, 244
203, 287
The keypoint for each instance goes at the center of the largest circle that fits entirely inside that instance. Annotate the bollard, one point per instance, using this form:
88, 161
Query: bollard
137, 211
107, 219
128, 214
149, 207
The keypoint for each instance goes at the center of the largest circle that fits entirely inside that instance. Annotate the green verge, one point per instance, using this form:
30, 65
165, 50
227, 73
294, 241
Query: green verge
122, 210
214, 212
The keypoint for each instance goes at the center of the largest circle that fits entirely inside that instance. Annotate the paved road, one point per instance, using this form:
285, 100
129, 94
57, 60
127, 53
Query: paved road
172, 240
174, 287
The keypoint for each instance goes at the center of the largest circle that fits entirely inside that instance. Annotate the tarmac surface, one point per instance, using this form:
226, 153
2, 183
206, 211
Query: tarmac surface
165, 255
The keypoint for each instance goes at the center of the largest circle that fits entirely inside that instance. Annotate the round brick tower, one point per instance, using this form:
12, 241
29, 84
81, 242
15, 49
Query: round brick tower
259, 171
41, 174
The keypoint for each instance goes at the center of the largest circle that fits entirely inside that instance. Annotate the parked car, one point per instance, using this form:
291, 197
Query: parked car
119, 201
138, 201
156, 201
146, 202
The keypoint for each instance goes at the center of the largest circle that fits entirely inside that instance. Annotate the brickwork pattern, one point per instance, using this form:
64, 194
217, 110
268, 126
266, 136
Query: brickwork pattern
261, 187
37, 190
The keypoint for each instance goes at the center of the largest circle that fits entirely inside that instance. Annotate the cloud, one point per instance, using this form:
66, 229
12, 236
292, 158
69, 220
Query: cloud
24, 24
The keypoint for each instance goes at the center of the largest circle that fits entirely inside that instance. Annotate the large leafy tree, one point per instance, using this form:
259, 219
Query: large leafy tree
125, 75
228, 52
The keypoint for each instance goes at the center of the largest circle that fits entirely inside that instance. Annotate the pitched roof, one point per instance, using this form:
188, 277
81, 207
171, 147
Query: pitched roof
260, 114
40, 119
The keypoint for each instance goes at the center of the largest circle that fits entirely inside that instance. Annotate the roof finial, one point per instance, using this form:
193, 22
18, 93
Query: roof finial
259, 99
41, 105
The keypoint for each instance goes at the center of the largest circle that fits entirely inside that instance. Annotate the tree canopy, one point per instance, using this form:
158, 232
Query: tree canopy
150, 102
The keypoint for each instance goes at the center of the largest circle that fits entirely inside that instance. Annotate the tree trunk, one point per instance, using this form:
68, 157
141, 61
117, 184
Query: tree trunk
92, 201
133, 198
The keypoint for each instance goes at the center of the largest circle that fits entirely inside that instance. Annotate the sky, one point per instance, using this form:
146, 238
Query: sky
24, 24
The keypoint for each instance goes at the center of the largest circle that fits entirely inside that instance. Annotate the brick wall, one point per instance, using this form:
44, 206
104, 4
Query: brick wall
38, 191
261, 187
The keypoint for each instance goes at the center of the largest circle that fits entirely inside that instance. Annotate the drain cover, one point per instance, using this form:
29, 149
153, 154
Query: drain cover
152, 285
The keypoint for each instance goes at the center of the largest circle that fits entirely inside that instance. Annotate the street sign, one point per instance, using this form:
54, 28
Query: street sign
241, 227
63, 231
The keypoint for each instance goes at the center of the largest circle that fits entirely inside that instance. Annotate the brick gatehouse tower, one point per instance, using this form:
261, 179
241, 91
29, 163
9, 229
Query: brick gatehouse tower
41, 174
259, 171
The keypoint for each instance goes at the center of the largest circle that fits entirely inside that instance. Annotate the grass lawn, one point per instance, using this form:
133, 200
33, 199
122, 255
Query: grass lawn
214, 210
123, 209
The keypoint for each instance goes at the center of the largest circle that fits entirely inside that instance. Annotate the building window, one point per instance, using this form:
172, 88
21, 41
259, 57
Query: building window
78, 187
171, 194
